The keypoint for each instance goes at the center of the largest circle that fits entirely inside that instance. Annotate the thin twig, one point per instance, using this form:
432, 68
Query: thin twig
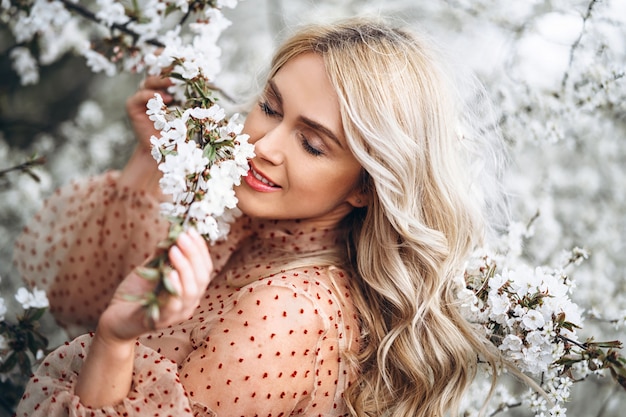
576, 43
504, 407
24, 165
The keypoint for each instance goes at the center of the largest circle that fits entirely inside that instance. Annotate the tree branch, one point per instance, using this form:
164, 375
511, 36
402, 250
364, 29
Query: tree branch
77, 8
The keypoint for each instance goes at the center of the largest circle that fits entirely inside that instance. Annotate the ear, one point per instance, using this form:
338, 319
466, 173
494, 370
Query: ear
358, 199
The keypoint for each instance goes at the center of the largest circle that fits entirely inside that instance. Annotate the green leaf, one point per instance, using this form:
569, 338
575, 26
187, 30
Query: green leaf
35, 342
209, 152
174, 231
34, 314
9, 363
153, 310
167, 283
151, 274
134, 298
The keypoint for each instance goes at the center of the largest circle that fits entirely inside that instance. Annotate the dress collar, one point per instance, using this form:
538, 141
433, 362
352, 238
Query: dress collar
296, 236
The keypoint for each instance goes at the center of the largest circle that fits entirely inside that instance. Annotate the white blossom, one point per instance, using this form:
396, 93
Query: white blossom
98, 62
111, 12
25, 65
499, 306
533, 320
35, 299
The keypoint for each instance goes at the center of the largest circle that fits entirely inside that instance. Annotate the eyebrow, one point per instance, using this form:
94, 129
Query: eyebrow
309, 122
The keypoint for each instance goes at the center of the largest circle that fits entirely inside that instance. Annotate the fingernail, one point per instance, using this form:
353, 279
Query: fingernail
193, 232
175, 251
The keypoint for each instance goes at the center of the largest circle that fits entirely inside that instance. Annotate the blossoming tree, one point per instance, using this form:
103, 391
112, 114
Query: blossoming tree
555, 68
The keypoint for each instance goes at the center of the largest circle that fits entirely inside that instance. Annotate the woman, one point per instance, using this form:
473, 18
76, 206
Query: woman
334, 293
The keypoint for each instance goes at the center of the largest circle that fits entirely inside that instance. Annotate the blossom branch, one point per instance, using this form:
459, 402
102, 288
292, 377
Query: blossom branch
77, 8
25, 167
202, 155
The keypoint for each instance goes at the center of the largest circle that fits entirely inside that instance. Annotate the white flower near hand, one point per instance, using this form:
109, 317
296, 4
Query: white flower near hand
36, 299
156, 111
174, 131
214, 113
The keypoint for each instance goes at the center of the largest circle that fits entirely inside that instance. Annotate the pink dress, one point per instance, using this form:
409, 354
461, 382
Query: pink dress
261, 342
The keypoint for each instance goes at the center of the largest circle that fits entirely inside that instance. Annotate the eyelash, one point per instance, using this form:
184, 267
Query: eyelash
308, 148
265, 108
269, 111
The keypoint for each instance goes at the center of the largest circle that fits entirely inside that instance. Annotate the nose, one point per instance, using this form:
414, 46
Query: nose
272, 144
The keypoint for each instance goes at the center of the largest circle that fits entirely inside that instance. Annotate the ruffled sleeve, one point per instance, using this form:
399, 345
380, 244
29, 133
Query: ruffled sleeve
156, 389
87, 237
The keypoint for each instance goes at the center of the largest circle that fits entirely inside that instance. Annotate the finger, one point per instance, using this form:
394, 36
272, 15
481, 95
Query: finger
204, 249
139, 100
173, 308
185, 272
157, 82
196, 251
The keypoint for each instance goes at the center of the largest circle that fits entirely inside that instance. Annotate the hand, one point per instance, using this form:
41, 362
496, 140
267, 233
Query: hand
125, 320
136, 107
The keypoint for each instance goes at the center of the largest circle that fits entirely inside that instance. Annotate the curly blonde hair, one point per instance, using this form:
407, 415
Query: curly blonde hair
425, 214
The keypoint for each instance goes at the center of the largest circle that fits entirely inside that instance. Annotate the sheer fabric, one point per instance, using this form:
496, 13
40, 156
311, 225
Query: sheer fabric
260, 342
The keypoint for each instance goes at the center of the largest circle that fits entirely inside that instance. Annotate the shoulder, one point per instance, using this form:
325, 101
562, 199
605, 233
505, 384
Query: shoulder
326, 288
318, 298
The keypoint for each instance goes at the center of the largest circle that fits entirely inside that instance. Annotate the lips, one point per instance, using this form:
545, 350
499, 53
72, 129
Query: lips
260, 177
259, 182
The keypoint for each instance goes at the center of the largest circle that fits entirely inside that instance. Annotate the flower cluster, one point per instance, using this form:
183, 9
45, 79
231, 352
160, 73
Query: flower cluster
21, 343
526, 310
134, 31
560, 91
201, 153
527, 313
202, 156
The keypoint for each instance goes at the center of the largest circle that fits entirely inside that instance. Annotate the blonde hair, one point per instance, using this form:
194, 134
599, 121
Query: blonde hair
401, 120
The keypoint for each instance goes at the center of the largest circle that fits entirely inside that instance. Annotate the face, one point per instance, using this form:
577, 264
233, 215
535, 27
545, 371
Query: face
303, 168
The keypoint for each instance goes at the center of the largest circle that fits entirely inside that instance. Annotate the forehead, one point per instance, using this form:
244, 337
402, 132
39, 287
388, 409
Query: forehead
305, 88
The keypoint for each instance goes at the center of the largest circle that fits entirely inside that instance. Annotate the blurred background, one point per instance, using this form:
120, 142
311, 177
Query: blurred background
555, 70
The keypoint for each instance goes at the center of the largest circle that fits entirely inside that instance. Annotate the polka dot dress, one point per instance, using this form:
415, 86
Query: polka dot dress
87, 237
264, 341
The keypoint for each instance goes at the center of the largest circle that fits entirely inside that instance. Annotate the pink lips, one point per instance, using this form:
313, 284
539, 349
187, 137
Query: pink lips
259, 182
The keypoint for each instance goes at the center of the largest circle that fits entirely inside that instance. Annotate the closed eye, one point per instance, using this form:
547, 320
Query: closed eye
267, 109
310, 148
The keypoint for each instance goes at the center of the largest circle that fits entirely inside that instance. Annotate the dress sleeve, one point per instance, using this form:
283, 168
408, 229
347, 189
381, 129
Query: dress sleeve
275, 352
155, 389
87, 237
